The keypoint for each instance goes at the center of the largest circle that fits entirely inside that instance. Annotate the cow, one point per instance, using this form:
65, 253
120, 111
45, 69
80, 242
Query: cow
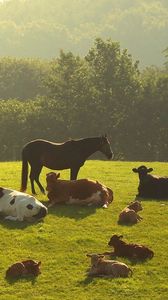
129, 214
24, 268
132, 251
18, 206
111, 268
80, 192
151, 186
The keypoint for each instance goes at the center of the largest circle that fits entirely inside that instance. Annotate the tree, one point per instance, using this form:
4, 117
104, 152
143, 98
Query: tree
22, 78
166, 57
118, 85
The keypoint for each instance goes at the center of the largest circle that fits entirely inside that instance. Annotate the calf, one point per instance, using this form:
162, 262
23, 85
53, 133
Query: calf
124, 249
129, 214
24, 268
82, 191
104, 267
151, 186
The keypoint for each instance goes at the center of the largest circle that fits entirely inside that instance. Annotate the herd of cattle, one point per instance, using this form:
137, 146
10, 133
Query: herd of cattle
19, 206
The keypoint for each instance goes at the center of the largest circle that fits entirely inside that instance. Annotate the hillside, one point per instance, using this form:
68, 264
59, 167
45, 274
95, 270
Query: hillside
41, 28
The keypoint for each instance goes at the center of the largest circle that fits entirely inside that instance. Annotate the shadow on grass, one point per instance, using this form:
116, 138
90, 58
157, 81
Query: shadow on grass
126, 224
72, 211
138, 198
16, 224
132, 261
31, 279
86, 281
89, 279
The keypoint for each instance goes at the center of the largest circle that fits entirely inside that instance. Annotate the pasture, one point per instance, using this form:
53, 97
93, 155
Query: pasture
68, 233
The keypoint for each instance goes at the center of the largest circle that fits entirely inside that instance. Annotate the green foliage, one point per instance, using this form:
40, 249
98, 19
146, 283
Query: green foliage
22, 78
104, 92
68, 233
166, 56
41, 28
117, 82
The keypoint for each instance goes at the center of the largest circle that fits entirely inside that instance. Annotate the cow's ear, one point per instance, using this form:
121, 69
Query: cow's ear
89, 255
135, 170
120, 236
149, 170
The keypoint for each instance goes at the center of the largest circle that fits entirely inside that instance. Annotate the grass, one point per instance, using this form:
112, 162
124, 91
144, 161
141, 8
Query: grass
62, 240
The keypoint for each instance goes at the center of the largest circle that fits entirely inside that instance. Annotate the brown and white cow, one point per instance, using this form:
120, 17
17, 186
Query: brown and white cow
81, 192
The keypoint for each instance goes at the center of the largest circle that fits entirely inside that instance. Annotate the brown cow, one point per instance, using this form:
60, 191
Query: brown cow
123, 249
24, 268
81, 192
129, 214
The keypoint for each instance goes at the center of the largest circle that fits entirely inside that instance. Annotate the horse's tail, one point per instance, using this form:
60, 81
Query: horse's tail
24, 172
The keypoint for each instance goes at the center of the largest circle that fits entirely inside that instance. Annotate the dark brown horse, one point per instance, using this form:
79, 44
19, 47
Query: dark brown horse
69, 155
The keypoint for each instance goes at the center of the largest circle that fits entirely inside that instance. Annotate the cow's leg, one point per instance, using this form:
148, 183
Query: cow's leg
34, 176
74, 172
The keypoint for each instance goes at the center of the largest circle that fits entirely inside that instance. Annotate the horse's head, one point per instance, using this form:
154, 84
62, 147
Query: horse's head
105, 147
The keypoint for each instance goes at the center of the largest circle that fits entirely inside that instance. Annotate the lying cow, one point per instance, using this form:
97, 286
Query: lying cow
82, 191
151, 186
123, 249
17, 206
129, 214
24, 268
111, 268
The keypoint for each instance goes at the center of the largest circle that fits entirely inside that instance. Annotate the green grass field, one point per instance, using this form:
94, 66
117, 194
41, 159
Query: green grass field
68, 233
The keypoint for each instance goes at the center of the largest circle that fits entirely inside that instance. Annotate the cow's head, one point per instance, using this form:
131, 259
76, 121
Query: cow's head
32, 209
95, 258
32, 267
136, 206
115, 239
142, 170
51, 179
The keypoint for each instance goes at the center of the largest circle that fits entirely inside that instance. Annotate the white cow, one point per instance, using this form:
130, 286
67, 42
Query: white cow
18, 206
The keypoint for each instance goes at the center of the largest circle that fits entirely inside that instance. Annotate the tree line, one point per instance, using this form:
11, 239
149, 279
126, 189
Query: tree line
40, 28
72, 97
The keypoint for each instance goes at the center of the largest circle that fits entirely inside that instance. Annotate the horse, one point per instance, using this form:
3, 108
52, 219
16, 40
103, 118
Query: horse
71, 154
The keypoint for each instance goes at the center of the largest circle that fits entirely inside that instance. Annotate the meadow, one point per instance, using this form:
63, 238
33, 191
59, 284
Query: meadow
62, 240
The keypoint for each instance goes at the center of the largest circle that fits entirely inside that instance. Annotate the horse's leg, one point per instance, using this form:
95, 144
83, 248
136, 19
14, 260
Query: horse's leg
74, 172
34, 176
40, 185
